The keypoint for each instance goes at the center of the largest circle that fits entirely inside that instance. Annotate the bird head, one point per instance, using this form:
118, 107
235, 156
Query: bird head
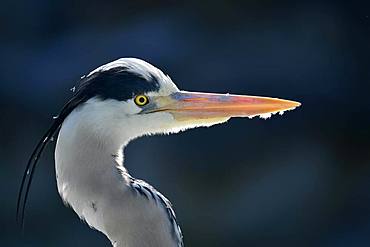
129, 98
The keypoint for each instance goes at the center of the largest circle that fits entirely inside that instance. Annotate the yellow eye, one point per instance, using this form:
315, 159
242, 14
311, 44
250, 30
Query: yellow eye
141, 100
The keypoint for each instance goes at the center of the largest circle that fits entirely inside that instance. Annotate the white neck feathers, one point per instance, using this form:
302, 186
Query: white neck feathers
87, 155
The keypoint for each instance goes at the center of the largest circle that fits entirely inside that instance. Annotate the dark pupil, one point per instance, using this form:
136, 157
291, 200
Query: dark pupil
141, 99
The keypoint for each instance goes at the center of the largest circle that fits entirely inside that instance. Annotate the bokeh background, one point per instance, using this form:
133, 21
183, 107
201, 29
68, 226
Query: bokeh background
301, 179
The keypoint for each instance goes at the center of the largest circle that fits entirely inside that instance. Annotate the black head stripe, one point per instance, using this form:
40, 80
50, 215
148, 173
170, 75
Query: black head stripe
116, 83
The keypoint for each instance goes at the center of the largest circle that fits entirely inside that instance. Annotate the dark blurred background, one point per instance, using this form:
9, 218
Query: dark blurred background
302, 179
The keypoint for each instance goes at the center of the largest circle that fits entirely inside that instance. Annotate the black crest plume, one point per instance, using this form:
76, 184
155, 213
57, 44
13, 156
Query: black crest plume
34, 158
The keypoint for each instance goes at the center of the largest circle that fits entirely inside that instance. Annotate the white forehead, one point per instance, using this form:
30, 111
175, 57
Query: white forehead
143, 69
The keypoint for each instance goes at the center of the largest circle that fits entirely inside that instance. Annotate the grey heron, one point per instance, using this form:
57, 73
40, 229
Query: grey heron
112, 105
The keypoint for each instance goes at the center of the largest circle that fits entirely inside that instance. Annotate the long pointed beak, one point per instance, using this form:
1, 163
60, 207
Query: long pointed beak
191, 105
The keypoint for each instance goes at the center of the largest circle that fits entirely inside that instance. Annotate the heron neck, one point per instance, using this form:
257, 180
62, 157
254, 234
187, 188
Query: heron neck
92, 180
87, 175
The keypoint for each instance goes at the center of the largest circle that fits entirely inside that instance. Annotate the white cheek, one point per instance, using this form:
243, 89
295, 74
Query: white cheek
152, 123
129, 107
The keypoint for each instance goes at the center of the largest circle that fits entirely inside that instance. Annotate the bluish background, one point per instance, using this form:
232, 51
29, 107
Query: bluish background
301, 179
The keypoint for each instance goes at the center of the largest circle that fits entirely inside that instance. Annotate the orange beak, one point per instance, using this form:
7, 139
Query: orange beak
191, 105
